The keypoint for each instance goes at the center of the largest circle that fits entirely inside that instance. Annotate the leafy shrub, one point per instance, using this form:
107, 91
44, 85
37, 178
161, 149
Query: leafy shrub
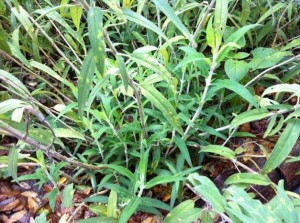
135, 93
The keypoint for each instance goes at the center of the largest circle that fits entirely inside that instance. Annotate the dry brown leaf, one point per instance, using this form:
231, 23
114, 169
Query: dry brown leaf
25, 185
245, 127
17, 216
29, 194
148, 220
4, 219
249, 149
31, 220
6, 201
10, 206
32, 205
64, 218
5, 189
153, 219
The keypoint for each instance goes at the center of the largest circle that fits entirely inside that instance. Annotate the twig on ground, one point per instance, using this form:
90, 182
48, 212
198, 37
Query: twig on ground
19, 135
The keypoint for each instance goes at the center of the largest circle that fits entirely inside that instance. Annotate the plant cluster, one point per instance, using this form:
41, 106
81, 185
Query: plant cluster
134, 94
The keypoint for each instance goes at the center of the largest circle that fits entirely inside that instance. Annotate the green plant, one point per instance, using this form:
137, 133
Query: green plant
133, 94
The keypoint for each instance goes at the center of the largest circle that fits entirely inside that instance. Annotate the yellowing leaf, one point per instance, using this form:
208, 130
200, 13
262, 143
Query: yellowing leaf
76, 13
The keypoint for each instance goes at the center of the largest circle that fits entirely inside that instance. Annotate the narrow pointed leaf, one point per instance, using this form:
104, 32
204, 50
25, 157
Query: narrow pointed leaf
220, 150
284, 145
68, 194
142, 21
3, 41
184, 212
129, 209
85, 81
249, 116
15, 82
247, 178
95, 27
123, 72
162, 104
183, 149
67, 133
221, 13
13, 162
164, 6
237, 88
76, 13
52, 73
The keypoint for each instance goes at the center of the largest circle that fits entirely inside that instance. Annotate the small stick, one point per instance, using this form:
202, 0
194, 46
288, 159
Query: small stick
42, 119
19, 135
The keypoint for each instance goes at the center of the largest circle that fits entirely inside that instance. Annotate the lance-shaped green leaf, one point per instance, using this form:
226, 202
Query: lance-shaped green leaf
234, 38
95, 27
183, 149
164, 6
142, 21
67, 133
76, 13
129, 209
237, 88
52, 73
10, 104
284, 145
210, 35
3, 41
247, 178
14, 82
162, 179
68, 194
208, 190
184, 212
13, 163
123, 72
85, 81
249, 116
23, 17
220, 150
162, 104
221, 13
292, 88
154, 65
271, 11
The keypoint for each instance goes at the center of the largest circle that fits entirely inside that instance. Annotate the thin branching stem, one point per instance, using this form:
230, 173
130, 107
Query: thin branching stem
203, 98
280, 112
203, 19
140, 108
55, 46
19, 135
260, 75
